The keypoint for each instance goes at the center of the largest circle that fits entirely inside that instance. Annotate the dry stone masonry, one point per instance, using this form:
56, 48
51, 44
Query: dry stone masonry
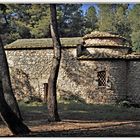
99, 68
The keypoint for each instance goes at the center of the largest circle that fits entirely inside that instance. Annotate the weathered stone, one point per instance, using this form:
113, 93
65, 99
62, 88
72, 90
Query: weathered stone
78, 78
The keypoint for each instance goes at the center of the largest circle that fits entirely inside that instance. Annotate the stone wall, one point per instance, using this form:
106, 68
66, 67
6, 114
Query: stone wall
29, 70
80, 79
77, 78
116, 50
98, 53
134, 81
118, 73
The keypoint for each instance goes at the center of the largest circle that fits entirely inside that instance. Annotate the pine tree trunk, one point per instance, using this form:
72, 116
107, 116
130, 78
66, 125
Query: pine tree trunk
6, 82
16, 126
10, 118
52, 96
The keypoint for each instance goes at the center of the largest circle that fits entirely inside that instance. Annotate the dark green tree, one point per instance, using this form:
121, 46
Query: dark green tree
134, 18
70, 20
106, 18
90, 19
114, 18
39, 20
29, 20
121, 22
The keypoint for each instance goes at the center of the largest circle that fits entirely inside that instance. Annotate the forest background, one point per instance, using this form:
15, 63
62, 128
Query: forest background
74, 20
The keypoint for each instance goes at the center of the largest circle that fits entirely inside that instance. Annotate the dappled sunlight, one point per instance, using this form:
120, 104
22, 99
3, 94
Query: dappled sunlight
79, 119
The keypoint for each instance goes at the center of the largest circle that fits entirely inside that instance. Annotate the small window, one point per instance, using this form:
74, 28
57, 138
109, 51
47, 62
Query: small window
101, 79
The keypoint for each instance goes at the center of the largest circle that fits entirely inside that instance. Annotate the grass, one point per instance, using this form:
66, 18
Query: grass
33, 107
81, 111
98, 112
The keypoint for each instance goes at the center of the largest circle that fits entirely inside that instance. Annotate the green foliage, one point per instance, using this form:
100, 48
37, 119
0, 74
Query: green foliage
70, 20
29, 20
32, 21
90, 20
134, 18
121, 21
10, 37
40, 20
135, 36
114, 18
41, 30
106, 18
23, 30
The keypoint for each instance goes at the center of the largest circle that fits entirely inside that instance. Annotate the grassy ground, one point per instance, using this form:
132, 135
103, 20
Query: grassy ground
78, 110
80, 120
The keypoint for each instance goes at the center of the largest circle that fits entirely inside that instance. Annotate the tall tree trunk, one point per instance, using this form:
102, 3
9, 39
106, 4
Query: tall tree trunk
15, 124
52, 96
6, 82
10, 118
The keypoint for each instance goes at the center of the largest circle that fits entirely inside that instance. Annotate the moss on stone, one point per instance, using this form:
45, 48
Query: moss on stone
42, 43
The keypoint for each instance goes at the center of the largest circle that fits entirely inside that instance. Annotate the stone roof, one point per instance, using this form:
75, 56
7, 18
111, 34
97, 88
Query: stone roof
98, 34
43, 43
97, 38
105, 55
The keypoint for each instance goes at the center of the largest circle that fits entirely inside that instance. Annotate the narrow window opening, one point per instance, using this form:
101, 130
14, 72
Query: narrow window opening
101, 78
45, 92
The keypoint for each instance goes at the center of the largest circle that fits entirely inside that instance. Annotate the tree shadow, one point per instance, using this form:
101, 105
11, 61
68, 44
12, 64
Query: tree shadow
21, 84
115, 130
81, 80
92, 112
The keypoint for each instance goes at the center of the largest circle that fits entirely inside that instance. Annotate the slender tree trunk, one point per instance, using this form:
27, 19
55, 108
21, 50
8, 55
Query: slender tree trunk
10, 118
16, 126
52, 96
6, 82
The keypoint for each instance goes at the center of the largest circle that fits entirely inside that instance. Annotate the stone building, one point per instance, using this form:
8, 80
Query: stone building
99, 68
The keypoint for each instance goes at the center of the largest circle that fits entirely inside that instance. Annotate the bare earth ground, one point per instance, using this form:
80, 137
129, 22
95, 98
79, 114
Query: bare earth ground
80, 120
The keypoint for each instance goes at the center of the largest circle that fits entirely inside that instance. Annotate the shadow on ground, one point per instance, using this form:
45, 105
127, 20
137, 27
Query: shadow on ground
89, 112
83, 112
83, 120
116, 130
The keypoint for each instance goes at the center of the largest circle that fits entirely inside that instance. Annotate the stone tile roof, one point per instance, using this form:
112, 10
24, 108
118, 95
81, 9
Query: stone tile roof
98, 34
108, 44
97, 38
105, 55
43, 43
